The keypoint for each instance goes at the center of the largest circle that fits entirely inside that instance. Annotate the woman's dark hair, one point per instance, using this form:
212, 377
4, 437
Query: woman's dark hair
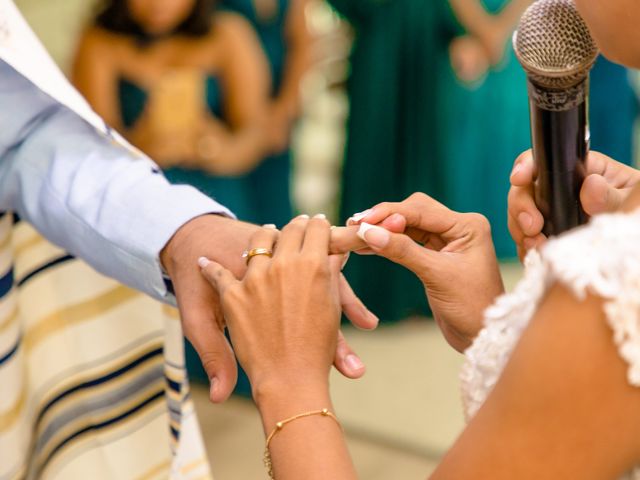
114, 15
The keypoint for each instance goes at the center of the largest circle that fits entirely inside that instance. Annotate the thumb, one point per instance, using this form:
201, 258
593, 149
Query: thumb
203, 325
397, 247
597, 196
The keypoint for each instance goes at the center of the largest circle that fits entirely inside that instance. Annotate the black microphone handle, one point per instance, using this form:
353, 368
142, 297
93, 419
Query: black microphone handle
560, 139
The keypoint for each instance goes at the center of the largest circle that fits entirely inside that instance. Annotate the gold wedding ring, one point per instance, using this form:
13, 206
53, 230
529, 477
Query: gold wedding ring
249, 254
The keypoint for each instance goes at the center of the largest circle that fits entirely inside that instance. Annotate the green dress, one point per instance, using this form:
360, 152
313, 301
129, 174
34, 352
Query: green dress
485, 127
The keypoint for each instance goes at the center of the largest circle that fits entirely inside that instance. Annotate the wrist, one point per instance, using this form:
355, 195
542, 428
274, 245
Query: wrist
278, 399
212, 235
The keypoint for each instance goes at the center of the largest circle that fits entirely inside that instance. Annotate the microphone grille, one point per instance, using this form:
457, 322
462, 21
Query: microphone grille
553, 44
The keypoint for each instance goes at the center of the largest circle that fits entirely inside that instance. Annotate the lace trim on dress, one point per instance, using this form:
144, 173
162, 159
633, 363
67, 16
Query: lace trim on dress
602, 258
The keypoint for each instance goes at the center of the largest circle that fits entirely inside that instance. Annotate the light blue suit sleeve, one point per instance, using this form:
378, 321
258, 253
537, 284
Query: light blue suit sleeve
86, 193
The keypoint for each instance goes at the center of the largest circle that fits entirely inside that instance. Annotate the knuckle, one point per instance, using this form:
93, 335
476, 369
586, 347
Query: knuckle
317, 264
418, 197
252, 281
279, 267
319, 223
524, 158
295, 225
479, 223
384, 207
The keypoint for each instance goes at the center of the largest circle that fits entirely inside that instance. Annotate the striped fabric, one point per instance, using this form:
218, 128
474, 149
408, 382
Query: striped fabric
92, 373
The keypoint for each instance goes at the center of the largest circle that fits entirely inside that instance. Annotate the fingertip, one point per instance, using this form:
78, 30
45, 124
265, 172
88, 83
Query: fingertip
354, 367
374, 321
218, 393
356, 218
222, 382
396, 223
522, 173
203, 262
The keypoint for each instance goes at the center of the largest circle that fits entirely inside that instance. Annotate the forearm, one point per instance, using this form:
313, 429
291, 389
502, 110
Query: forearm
299, 60
85, 192
300, 57
472, 16
311, 447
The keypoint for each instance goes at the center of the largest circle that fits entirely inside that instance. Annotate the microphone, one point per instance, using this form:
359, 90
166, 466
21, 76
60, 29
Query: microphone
556, 50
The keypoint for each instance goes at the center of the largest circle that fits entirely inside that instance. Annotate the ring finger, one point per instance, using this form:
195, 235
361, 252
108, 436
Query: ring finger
260, 248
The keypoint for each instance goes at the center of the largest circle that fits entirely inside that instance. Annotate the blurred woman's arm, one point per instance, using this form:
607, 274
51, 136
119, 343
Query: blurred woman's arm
245, 81
94, 74
286, 106
493, 30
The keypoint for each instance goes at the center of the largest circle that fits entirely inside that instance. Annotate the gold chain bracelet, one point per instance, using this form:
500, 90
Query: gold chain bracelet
280, 425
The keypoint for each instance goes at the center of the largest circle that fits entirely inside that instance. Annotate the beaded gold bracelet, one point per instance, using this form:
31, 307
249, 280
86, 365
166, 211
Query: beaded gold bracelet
280, 425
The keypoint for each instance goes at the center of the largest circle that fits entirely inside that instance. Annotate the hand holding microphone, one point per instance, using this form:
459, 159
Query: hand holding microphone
555, 48
606, 186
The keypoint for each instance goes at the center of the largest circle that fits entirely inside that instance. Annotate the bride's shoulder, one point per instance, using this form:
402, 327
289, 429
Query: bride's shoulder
601, 258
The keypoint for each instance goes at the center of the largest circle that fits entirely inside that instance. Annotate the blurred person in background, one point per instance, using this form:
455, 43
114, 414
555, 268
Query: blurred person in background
190, 88
187, 87
417, 125
288, 44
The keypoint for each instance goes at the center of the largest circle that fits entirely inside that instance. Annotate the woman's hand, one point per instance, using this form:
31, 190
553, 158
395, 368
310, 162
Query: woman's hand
451, 253
606, 186
469, 58
284, 316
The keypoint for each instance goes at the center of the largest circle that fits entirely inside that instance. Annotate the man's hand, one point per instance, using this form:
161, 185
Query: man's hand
607, 185
223, 240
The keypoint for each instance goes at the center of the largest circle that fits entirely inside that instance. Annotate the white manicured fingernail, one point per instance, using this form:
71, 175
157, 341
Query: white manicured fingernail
363, 229
359, 216
320, 216
304, 215
374, 236
203, 262
270, 225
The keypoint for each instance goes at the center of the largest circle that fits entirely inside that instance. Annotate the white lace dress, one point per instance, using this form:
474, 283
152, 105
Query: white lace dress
602, 258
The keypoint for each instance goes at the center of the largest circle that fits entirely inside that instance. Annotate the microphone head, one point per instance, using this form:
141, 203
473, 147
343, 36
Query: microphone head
554, 45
